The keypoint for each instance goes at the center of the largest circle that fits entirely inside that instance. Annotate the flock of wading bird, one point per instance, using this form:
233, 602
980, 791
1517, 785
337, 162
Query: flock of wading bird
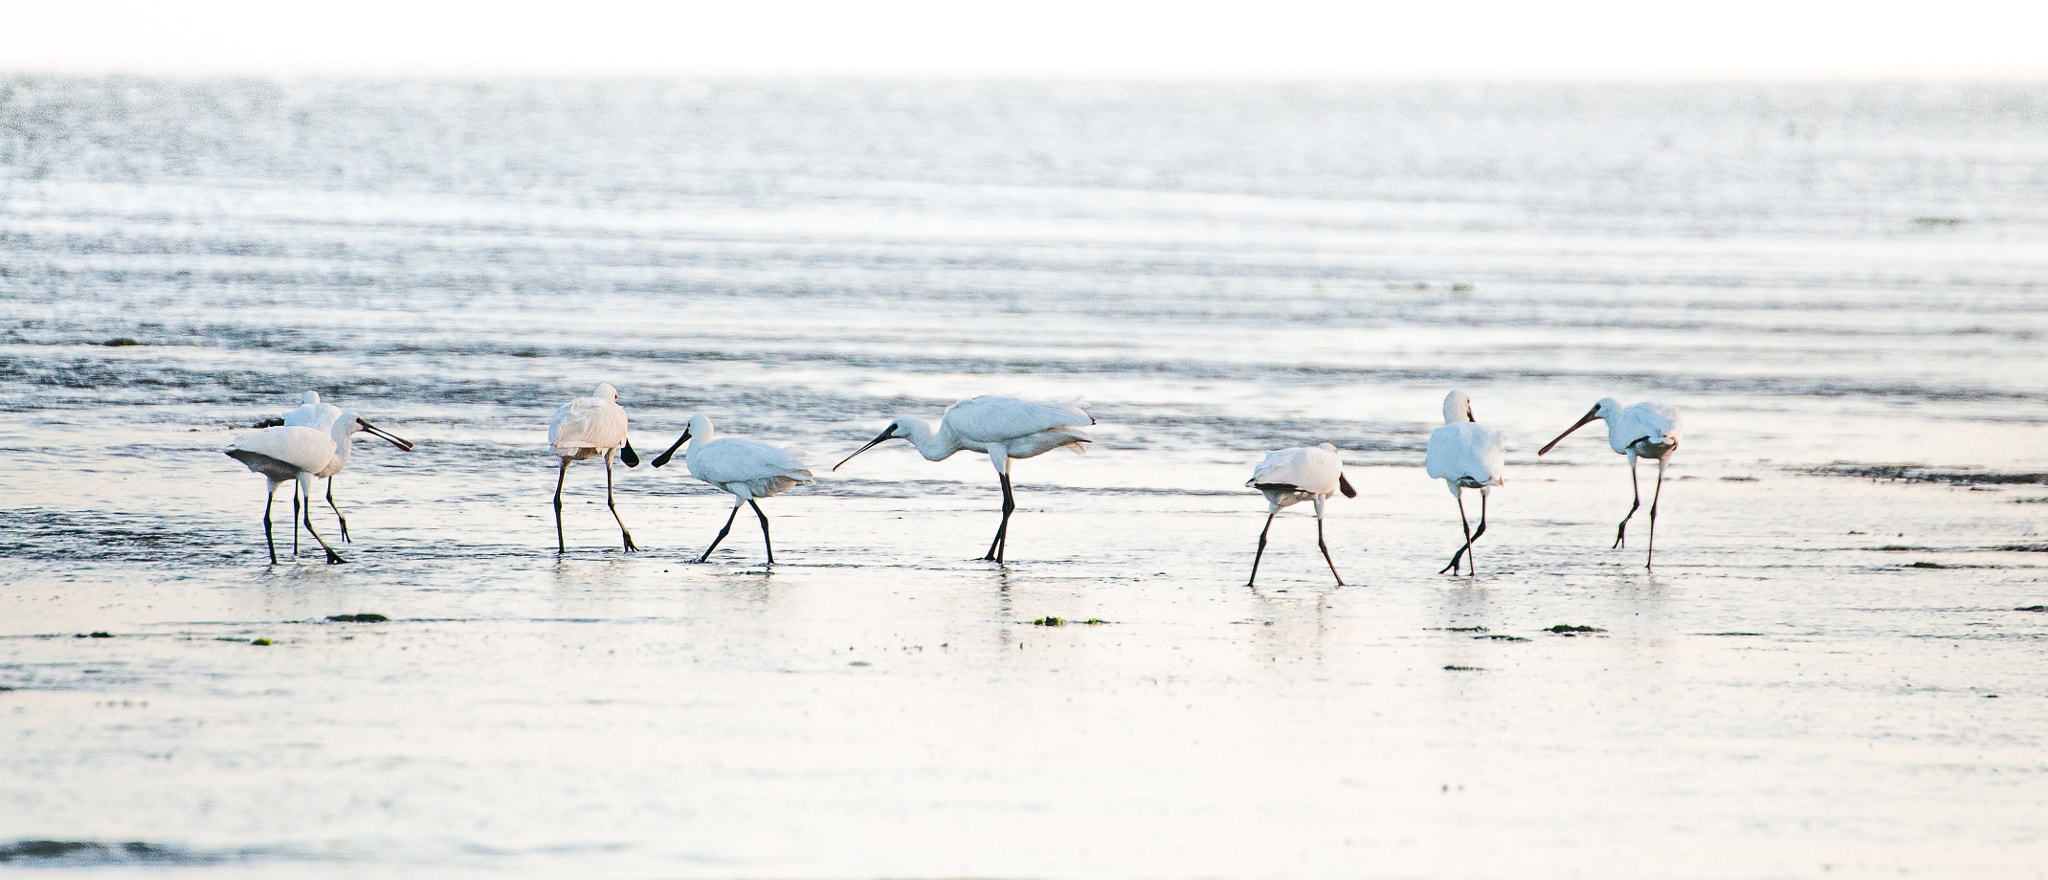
312, 442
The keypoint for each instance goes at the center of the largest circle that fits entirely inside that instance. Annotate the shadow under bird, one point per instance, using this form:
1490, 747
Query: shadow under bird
584, 428
1465, 455
1003, 427
1291, 476
747, 470
299, 454
312, 413
1645, 430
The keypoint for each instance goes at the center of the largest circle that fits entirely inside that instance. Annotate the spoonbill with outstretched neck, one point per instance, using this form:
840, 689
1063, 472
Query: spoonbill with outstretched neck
746, 469
1465, 455
286, 453
1291, 476
1647, 430
1003, 427
587, 427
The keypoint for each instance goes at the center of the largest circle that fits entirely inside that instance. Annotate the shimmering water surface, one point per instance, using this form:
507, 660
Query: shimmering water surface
1825, 675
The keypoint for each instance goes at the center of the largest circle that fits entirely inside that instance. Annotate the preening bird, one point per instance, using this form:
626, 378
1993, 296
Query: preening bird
1465, 455
748, 470
285, 453
1291, 476
586, 427
1647, 430
1003, 427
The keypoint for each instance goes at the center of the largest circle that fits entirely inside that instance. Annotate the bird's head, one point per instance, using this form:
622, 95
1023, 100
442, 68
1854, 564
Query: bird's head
1457, 408
606, 392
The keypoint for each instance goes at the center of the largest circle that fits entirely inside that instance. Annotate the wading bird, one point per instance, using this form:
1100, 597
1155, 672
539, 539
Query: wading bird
343, 430
745, 469
1291, 476
1648, 430
586, 427
326, 417
286, 453
1003, 427
1465, 455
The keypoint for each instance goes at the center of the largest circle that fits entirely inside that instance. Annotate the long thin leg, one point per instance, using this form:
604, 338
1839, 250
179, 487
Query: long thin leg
1464, 548
1325, 547
1659, 493
333, 558
1472, 556
1621, 532
269, 501
337, 511
623, 534
297, 490
1001, 543
560, 548
764, 529
1254, 579
722, 532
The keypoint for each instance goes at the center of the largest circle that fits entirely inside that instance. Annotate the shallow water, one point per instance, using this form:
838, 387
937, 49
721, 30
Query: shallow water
1824, 674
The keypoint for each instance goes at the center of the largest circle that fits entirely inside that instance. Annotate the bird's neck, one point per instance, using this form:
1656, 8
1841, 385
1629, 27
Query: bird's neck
933, 446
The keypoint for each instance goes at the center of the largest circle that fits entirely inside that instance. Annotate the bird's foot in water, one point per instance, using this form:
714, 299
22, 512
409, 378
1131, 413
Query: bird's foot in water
334, 558
630, 546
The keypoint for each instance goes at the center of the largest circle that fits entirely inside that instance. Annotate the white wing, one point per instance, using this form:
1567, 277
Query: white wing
1654, 422
1311, 469
321, 416
764, 469
301, 447
1464, 450
587, 423
996, 419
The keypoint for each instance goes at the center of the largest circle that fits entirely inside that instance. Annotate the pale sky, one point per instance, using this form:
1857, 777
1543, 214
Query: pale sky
1407, 38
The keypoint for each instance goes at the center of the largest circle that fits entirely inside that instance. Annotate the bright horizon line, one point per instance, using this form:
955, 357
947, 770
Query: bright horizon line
1142, 40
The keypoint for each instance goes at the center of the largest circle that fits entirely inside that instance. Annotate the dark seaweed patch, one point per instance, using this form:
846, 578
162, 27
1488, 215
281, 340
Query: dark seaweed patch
1914, 473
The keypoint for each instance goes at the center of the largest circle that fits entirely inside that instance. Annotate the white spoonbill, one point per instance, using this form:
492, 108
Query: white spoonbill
286, 453
1465, 455
1291, 476
1648, 430
1004, 428
746, 469
586, 427
343, 429
342, 426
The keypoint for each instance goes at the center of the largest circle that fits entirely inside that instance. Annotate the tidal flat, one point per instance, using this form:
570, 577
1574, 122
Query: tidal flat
1835, 668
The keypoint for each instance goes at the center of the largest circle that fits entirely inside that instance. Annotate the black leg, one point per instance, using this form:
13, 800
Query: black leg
296, 492
1472, 556
1325, 547
269, 500
1254, 579
1637, 487
1001, 543
337, 511
764, 530
1659, 493
333, 558
721, 532
623, 534
560, 548
1455, 557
